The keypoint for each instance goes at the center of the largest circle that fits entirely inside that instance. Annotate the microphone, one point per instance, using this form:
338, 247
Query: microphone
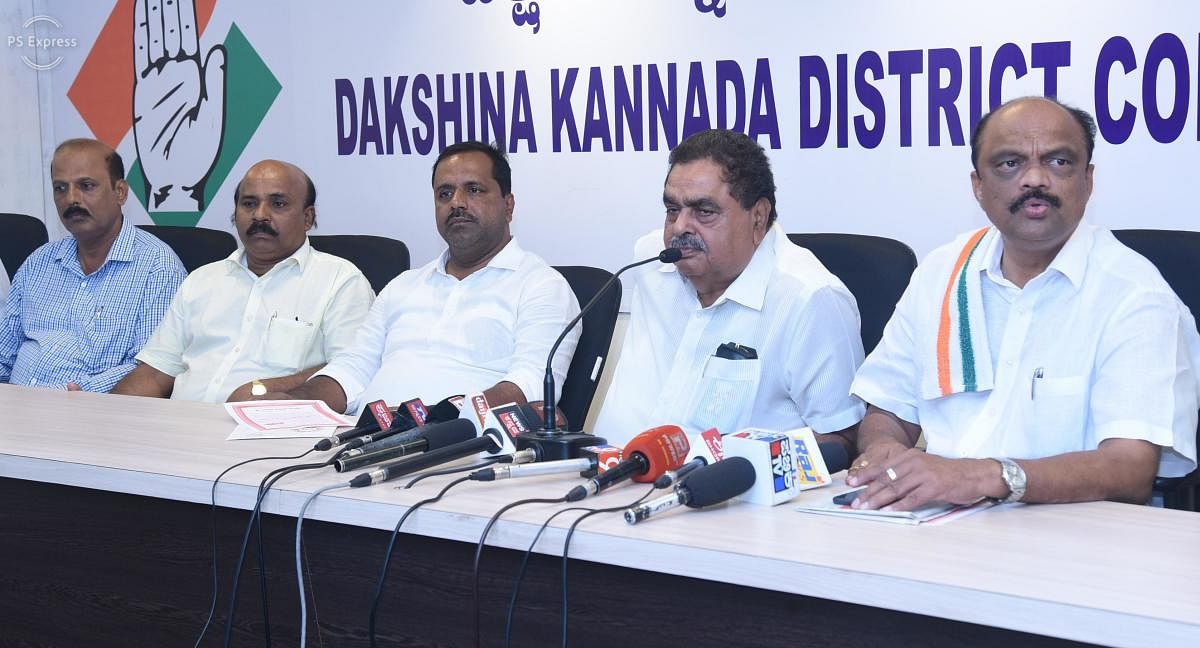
706, 486
706, 449
375, 417
423, 439
647, 456
492, 441
553, 443
595, 460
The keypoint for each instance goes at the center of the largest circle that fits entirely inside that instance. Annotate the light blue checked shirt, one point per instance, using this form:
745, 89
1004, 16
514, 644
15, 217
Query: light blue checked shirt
64, 326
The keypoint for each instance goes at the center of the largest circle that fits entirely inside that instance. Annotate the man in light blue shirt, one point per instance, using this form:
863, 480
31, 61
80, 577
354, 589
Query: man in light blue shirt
81, 308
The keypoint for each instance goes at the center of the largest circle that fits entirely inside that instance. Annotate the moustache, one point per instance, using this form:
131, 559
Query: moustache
261, 226
459, 212
688, 240
1034, 194
75, 210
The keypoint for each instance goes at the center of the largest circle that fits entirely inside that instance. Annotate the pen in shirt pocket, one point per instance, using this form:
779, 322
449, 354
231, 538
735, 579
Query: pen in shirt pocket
1038, 374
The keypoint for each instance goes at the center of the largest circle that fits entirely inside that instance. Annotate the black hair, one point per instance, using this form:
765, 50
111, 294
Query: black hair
745, 166
112, 159
501, 171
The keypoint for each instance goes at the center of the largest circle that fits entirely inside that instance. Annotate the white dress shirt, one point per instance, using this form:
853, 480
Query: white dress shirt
800, 319
430, 335
1095, 347
228, 326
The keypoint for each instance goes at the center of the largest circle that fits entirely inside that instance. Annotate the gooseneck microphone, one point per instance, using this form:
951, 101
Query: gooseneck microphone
552, 442
705, 486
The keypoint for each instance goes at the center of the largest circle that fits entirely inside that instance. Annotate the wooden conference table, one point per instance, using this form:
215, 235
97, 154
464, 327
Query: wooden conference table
104, 540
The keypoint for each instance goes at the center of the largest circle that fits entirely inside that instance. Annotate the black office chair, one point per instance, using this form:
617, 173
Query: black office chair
22, 235
579, 388
875, 269
1176, 254
379, 258
195, 246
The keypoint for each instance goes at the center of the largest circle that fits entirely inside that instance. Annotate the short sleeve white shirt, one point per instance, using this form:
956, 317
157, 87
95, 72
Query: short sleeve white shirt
1095, 347
430, 335
228, 326
799, 318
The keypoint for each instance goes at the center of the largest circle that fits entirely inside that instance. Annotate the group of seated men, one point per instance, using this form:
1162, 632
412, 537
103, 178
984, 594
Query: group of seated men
1040, 359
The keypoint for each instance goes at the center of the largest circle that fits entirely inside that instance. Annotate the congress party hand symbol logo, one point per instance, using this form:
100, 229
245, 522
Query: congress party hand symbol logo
178, 103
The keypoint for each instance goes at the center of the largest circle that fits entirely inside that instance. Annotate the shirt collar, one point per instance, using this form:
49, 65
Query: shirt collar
299, 258
750, 287
508, 258
1071, 260
121, 250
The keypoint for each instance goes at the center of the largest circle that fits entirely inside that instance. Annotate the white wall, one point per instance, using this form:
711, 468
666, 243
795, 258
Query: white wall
588, 207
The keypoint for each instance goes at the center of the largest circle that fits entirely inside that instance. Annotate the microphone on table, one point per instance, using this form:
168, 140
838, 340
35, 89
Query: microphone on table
705, 486
595, 460
476, 416
550, 442
375, 417
422, 439
706, 449
647, 456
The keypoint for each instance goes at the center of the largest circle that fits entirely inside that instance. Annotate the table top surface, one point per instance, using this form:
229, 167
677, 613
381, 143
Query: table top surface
1100, 572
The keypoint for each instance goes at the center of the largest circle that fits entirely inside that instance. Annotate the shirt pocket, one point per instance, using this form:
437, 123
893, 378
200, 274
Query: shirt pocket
724, 394
287, 343
1059, 409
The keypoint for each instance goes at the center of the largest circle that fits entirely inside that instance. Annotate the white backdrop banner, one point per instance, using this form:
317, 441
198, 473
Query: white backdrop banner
865, 108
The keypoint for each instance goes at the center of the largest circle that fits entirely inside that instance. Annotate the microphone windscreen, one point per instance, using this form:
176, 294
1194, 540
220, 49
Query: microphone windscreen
715, 483
670, 255
444, 410
448, 433
665, 448
835, 456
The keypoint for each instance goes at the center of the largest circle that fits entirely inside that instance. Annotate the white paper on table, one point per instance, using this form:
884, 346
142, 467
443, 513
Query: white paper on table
283, 419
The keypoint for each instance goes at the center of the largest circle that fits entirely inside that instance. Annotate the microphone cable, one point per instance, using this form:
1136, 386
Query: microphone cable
567, 548
299, 569
387, 559
264, 487
479, 547
212, 607
451, 471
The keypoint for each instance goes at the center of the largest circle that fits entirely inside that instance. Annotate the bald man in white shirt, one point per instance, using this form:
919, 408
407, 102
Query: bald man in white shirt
1042, 360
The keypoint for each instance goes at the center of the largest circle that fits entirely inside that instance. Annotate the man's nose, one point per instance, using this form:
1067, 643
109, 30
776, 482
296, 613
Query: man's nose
1034, 176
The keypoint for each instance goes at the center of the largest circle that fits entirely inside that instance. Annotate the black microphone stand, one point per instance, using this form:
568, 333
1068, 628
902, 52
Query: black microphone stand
549, 442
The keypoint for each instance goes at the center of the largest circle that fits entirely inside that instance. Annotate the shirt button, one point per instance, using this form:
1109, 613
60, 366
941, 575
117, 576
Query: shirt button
237, 349
83, 284
1008, 362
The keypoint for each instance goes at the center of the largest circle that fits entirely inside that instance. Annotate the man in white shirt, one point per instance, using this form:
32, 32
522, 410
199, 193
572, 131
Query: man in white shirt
263, 319
480, 318
793, 325
1042, 360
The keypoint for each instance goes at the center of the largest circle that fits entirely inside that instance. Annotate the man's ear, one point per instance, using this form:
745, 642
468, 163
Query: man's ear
122, 189
510, 202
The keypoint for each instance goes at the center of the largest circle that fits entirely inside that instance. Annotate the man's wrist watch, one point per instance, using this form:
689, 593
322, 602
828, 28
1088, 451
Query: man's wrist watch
257, 388
1014, 476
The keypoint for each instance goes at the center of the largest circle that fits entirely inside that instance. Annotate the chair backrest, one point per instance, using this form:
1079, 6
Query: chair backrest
379, 258
875, 269
1176, 254
22, 235
195, 246
578, 390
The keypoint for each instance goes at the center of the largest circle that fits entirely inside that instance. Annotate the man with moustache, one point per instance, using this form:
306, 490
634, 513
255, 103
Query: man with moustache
748, 329
1042, 360
480, 318
82, 307
263, 319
